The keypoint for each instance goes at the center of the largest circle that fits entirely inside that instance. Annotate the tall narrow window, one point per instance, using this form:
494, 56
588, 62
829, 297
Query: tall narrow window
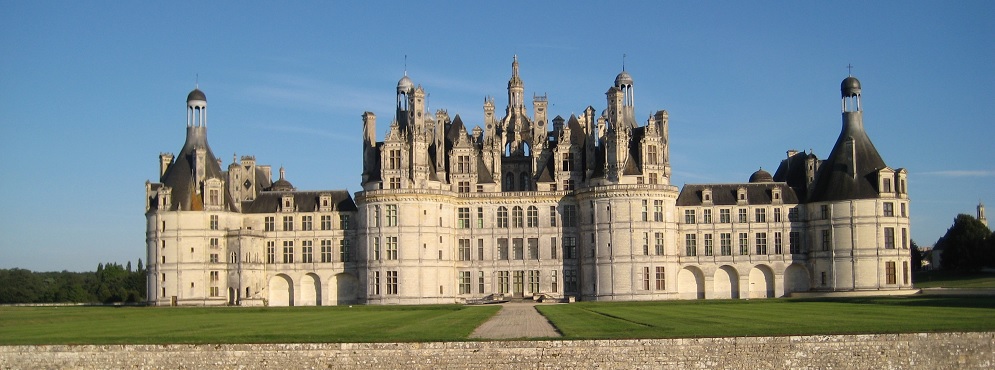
690, 245
464, 249
707, 239
658, 210
502, 217
307, 251
516, 217
463, 217
889, 238
761, 243
658, 247
391, 215
744, 243
725, 244
306, 223
661, 278
552, 216
344, 251
214, 222
724, 216
889, 272
326, 251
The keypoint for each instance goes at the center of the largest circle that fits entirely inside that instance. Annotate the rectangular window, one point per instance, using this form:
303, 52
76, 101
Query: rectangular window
889, 273
375, 222
307, 251
569, 281
646, 278
761, 243
658, 211
742, 215
288, 223
504, 282
464, 249
394, 183
533, 248
502, 217
724, 216
887, 185
725, 244
270, 252
214, 222
569, 247
306, 223
533, 281
778, 249
658, 246
214, 243
326, 222
706, 216
646, 244
567, 163
824, 211
463, 217
905, 272
480, 249
288, 251
480, 217
391, 245
690, 245
502, 248
793, 214
214, 258
553, 247
463, 187
761, 215
326, 251
552, 216
707, 239
905, 238
462, 164
794, 242
517, 219
661, 278
269, 223
570, 216
889, 238
777, 215
552, 281
392, 282
744, 243
888, 209
519, 246
464, 282
391, 217
827, 240
651, 156
480, 282
689, 216
518, 279
904, 212
375, 283
532, 216
654, 179
344, 253
344, 222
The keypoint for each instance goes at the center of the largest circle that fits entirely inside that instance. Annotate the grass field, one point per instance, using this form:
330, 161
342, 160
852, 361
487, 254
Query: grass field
943, 279
773, 317
154, 325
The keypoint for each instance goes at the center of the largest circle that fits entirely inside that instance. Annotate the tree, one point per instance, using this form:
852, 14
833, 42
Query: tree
916, 256
964, 245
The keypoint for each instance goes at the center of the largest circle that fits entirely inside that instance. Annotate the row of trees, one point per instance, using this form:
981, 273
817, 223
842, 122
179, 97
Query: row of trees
111, 283
967, 246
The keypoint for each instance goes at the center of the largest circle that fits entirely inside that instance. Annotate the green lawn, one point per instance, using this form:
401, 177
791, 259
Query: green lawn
153, 325
771, 317
943, 279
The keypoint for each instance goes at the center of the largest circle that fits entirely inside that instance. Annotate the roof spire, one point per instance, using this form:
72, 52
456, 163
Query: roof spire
405, 64
849, 70
623, 61
196, 81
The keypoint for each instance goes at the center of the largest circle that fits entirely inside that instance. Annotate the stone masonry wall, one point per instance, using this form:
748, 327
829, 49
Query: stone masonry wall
875, 351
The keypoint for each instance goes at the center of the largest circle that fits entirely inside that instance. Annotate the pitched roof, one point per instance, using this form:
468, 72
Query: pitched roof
305, 201
179, 175
850, 172
725, 194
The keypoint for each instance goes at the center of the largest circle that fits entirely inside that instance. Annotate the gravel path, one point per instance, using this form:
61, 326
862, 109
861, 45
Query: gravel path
516, 320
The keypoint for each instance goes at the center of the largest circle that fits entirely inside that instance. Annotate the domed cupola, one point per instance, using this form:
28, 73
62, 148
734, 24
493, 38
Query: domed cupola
850, 87
196, 95
623, 79
761, 176
282, 184
405, 85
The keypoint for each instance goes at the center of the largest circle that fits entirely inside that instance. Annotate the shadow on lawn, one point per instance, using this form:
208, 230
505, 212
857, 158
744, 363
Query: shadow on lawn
910, 301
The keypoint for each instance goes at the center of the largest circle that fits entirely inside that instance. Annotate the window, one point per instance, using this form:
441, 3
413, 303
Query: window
725, 244
568, 184
326, 251
569, 216
392, 282
761, 243
569, 248
214, 197
463, 217
533, 216
646, 278
553, 247
326, 222
744, 244
661, 278
761, 215
391, 219
724, 216
708, 244
658, 210
269, 223
375, 283
690, 245
905, 238
394, 159
905, 272
887, 185
533, 281
568, 161
480, 249
904, 212
552, 216
307, 251
344, 255
375, 248
777, 215
464, 249
658, 247
742, 215
375, 222
778, 249
653, 178
889, 273
519, 281
480, 282
214, 222
794, 242
463, 164
827, 240
646, 210
502, 217
480, 217
516, 217
706, 216
394, 183
646, 244
288, 251
824, 211
306, 223
689, 216
288, 223
533, 248
502, 248
391, 246
651, 156
344, 222
569, 281
214, 258
214, 243
504, 282
464, 282
889, 209
463, 187
889, 238
552, 281
270, 252
793, 214
519, 246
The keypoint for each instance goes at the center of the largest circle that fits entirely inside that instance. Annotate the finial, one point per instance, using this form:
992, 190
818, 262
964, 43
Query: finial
623, 61
849, 70
196, 81
405, 64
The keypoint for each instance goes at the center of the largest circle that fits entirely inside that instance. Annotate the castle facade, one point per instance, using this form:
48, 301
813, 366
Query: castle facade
524, 206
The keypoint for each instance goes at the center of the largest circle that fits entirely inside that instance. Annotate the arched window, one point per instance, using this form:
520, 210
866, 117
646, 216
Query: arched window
533, 216
516, 217
502, 217
526, 182
509, 182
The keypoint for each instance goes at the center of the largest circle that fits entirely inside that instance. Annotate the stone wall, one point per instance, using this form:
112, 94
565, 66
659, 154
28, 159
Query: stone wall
874, 351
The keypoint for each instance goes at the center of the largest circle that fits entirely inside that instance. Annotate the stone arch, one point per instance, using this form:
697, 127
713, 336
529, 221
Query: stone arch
281, 290
346, 289
725, 284
310, 290
796, 279
691, 283
761, 282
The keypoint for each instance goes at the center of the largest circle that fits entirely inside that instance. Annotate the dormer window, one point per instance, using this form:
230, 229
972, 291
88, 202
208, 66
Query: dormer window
706, 196
287, 203
775, 195
741, 195
325, 202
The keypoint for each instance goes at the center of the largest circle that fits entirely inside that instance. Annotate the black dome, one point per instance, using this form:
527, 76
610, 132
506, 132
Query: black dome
850, 87
761, 176
196, 94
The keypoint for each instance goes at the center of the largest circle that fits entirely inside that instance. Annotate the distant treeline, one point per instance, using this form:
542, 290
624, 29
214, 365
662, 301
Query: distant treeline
111, 283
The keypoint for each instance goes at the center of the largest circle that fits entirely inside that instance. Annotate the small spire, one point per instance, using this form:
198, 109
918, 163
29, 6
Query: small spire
283, 173
849, 70
623, 61
405, 64
196, 81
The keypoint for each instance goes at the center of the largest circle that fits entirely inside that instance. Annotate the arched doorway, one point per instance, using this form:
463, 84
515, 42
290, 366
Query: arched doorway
761, 282
346, 289
310, 290
796, 279
726, 283
691, 283
281, 291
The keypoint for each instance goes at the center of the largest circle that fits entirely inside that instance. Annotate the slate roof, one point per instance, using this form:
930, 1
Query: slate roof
179, 175
725, 194
305, 201
849, 173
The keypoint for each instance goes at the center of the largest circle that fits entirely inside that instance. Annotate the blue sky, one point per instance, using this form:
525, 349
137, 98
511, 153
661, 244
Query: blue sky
92, 92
